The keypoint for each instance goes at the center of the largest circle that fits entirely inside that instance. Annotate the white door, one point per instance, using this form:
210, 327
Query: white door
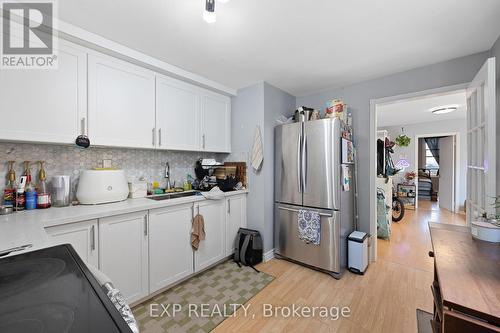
82, 236
236, 218
212, 249
121, 103
170, 252
177, 114
481, 142
447, 173
123, 253
215, 122
46, 105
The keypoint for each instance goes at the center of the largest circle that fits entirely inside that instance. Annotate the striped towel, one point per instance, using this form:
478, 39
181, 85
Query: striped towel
257, 150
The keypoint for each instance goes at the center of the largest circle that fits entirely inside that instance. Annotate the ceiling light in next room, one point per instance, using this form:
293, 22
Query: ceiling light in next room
209, 13
444, 109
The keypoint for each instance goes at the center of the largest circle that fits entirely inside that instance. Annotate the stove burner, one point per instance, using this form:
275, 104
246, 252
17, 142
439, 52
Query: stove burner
42, 318
17, 277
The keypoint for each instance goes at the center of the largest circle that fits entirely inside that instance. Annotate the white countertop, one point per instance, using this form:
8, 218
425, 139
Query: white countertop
27, 227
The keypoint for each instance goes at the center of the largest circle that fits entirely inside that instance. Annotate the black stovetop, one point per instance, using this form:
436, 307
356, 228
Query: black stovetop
51, 290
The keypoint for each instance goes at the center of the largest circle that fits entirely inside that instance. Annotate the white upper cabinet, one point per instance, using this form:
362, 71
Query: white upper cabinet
177, 114
114, 102
215, 122
212, 249
121, 103
47, 105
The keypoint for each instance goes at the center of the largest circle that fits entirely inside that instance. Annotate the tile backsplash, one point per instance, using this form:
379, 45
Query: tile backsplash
70, 160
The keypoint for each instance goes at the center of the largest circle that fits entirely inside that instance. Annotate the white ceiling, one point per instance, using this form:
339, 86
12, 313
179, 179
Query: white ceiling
414, 111
300, 46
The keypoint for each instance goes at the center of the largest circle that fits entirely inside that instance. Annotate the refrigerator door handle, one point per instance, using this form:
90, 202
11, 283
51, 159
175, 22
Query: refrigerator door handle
296, 211
304, 163
299, 162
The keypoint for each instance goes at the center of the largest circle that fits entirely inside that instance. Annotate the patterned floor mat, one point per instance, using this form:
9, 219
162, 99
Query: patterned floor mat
202, 302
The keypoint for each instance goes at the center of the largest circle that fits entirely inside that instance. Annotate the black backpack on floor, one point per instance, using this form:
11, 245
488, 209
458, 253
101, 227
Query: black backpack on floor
249, 248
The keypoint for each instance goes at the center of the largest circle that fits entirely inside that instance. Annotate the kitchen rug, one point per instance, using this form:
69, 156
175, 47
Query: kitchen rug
202, 302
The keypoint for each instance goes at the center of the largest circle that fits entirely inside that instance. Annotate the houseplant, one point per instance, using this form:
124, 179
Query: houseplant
402, 139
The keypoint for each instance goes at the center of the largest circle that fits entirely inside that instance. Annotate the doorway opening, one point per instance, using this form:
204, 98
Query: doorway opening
438, 175
405, 124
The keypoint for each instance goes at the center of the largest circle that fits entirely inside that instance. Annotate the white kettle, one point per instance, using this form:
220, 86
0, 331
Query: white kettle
102, 186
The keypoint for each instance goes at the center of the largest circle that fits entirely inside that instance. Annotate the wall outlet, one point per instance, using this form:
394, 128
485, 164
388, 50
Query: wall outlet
106, 163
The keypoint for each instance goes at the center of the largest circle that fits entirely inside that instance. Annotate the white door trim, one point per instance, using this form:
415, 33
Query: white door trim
456, 163
373, 149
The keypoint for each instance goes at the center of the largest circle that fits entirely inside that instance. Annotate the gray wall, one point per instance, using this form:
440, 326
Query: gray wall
358, 98
495, 52
247, 112
259, 105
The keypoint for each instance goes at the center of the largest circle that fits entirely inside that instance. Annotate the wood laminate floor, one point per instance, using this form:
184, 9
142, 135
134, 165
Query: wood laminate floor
385, 299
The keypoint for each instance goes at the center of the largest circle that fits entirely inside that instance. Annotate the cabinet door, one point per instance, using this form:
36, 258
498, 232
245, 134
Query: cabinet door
121, 103
82, 236
236, 218
170, 255
216, 122
123, 253
46, 105
212, 249
177, 114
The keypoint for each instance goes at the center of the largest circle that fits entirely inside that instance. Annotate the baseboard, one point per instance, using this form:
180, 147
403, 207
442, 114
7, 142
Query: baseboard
268, 255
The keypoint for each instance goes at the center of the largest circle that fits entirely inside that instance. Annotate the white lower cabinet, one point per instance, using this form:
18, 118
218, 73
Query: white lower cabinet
212, 249
82, 236
123, 253
143, 252
170, 252
236, 218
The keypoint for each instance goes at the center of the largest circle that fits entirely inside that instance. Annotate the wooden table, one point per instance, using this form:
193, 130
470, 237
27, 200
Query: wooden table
467, 280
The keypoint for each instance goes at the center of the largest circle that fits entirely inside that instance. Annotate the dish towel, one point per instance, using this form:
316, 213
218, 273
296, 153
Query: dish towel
214, 194
309, 224
197, 231
257, 150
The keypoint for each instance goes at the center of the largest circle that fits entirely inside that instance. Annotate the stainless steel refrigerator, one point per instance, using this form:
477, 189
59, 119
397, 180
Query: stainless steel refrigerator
309, 175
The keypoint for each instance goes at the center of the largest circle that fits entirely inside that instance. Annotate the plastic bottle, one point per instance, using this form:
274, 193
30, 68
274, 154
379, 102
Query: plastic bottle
30, 197
43, 197
30, 192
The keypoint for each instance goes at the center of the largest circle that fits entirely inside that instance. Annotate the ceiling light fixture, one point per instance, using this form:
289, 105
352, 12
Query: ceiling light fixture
209, 13
444, 110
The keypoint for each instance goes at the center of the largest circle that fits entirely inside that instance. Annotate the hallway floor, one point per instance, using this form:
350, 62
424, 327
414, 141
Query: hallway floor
385, 299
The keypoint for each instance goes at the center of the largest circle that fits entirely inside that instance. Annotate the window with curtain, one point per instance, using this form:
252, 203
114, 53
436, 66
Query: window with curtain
430, 161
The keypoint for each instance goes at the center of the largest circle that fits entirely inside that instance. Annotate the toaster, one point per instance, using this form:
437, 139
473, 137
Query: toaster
102, 186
